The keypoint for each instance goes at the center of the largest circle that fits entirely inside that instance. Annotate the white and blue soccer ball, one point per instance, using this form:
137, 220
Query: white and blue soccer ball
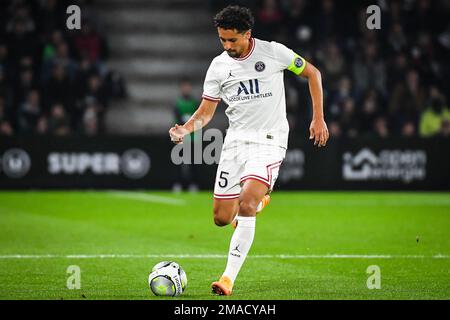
167, 278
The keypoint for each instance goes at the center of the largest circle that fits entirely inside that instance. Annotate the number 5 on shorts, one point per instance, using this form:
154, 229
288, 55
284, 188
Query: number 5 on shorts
223, 179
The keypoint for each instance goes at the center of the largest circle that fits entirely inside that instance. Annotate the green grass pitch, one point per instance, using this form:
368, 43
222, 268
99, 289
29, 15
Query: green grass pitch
308, 245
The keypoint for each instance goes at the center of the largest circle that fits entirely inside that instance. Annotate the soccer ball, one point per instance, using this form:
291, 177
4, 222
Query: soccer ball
167, 278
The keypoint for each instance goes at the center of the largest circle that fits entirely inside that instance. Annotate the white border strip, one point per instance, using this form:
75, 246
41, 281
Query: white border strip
218, 256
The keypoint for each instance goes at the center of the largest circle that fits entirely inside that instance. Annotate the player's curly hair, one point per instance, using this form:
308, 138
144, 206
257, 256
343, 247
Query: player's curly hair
235, 17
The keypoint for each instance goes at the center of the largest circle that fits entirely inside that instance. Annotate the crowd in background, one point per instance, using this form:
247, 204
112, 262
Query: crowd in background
52, 80
386, 82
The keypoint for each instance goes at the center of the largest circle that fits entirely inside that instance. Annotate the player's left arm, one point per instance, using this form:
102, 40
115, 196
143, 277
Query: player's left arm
293, 62
318, 129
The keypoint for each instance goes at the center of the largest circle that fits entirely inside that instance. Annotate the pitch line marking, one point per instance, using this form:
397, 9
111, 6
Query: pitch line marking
218, 256
372, 203
147, 197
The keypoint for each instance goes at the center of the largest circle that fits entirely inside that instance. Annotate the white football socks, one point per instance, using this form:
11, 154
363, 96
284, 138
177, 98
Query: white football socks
258, 209
240, 244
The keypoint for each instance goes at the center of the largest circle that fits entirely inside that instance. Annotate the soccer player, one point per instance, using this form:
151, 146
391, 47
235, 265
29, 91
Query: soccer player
248, 76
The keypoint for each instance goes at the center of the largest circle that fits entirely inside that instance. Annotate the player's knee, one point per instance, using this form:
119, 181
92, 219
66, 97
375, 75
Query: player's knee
247, 208
220, 222
220, 219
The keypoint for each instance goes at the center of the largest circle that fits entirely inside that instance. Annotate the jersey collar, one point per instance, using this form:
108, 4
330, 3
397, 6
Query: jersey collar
252, 47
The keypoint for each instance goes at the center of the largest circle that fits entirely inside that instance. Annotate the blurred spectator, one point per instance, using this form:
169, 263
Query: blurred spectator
90, 116
407, 99
29, 113
445, 129
90, 121
334, 129
50, 16
6, 93
42, 125
21, 41
433, 117
369, 70
96, 89
58, 88
55, 38
59, 57
327, 21
97, 98
298, 22
381, 128
115, 85
4, 61
5, 126
21, 13
409, 129
423, 17
185, 106
348, 122
58, 122
333, 66
398, 67
85, 70
90, 44
370, 109
5, 129
337, 97
397, 38
269, 17
23, 87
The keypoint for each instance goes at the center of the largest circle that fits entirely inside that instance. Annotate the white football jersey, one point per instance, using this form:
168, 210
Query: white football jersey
253, 89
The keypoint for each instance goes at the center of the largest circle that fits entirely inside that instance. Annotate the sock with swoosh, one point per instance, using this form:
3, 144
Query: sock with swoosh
240, 244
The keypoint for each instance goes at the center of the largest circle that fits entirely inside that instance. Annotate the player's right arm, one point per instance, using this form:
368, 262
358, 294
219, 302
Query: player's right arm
205, 112
199, 119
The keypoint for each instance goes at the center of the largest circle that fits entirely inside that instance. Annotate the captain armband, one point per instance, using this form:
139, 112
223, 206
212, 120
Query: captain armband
297, 65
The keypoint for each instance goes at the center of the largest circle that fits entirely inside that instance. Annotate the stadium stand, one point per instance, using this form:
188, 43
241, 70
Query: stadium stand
377, 83
53, 80
386, 82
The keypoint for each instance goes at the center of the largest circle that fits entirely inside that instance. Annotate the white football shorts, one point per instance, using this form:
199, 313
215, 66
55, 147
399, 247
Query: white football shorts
241, 161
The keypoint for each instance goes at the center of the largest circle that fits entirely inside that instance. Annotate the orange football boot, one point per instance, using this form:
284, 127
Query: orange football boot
223, 287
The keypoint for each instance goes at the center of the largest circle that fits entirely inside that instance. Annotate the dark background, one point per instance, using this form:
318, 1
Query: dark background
77, 91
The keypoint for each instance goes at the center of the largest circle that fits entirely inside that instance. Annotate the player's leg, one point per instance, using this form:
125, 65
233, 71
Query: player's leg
262, 204
259, 176
263, 165
227, 186
241, 241
225, 210
251, 195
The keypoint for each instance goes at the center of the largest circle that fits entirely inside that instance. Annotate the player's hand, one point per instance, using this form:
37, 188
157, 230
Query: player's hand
177, 134
319, 132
